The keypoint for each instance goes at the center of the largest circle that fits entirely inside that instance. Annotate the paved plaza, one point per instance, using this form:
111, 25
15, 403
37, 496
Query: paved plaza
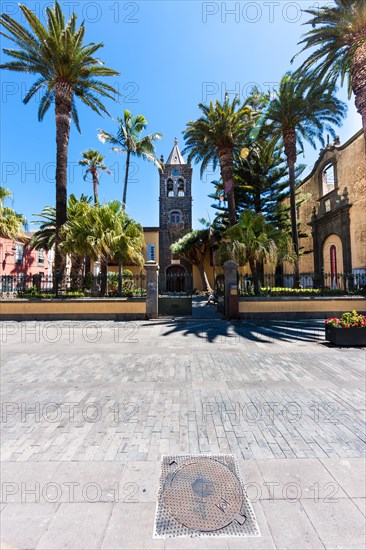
89, 408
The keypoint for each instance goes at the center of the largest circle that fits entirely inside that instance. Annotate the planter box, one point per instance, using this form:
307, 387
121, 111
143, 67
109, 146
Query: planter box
354, 336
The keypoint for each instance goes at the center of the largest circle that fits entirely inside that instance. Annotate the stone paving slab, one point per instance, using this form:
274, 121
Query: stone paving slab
290, 526
337, 525
23, 524
84, 425
361, 504
77, 526
209, 402
350, 474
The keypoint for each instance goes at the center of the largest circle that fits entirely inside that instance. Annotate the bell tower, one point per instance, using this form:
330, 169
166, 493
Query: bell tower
175, 207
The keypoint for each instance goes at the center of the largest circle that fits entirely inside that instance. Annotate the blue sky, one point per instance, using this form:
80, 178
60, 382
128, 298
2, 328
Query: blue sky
171, 56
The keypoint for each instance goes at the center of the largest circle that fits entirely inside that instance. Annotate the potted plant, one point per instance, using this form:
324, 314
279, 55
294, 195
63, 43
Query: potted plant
349, 330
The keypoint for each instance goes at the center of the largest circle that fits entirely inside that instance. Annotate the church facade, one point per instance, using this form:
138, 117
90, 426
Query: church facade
333, 216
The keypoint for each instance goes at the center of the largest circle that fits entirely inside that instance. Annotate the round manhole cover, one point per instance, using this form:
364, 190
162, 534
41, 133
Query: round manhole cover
204, 495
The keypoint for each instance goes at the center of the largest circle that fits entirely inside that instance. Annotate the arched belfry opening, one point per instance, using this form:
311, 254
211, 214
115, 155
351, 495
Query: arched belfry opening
180, 188
170, 188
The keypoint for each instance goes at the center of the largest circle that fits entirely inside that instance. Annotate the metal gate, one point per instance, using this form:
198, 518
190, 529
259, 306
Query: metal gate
175, 292
220, 292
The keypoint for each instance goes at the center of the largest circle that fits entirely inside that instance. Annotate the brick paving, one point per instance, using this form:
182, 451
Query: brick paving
89, 408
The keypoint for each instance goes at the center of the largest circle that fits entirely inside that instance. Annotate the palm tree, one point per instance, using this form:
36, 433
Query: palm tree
253, 240
128, 141
105, 233
94, 162
301, 112
67, 69
45, 236
11, 223
217, 137
338, 35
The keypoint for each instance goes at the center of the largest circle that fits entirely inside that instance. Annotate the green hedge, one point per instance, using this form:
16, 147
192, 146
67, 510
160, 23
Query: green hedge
282, 291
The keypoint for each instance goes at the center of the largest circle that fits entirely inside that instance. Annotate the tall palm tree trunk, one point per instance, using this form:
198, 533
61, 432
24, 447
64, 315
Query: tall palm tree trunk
95, 185
358, 72
260, 272
295, 236
94, 173
290, 152
104, 276
231, 206
76, 272
253, 269
63, 102
227, 173
124, 198
87, 265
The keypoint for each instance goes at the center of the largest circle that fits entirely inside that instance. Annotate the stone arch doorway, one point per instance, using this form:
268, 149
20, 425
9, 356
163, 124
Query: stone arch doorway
333, 261
175, 278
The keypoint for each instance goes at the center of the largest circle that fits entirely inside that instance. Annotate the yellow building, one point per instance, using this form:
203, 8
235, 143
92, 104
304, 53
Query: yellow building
334, 217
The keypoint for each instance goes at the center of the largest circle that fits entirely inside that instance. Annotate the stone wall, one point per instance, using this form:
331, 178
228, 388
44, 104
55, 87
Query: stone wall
288, 307
117, 309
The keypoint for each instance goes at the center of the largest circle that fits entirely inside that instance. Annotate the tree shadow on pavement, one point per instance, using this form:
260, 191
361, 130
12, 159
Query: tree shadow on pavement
269, 332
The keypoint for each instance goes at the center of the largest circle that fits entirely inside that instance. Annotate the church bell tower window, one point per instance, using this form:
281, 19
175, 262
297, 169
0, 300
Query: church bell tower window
175, 216
180, 188
170, 188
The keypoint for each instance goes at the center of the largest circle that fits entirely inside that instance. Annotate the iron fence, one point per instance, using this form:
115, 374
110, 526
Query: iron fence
176, 283
220, 292
277, 284
53, 286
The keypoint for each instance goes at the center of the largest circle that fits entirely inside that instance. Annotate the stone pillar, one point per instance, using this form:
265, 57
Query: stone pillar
231, 290
152, 272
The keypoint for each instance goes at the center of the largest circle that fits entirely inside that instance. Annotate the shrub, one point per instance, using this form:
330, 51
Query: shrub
279, 291
128, 283
33, 293
285, 291
348, 320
